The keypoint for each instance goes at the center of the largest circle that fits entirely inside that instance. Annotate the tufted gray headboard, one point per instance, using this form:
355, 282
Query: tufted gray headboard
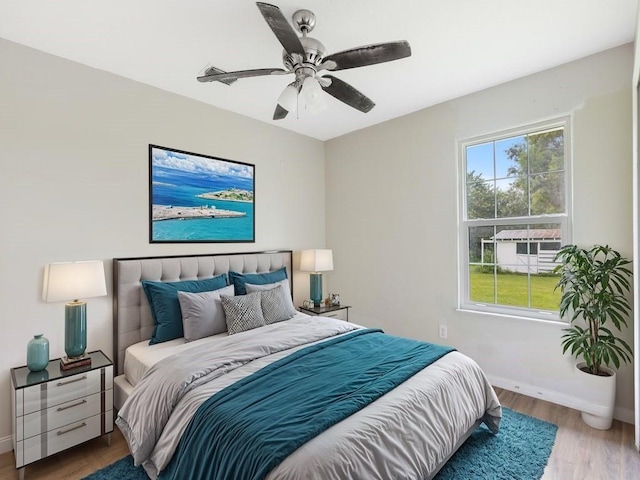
132, 321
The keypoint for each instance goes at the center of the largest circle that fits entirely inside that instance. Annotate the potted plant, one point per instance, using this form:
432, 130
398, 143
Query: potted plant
594, 283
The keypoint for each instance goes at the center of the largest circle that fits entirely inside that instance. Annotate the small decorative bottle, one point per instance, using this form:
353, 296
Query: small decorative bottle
38, 353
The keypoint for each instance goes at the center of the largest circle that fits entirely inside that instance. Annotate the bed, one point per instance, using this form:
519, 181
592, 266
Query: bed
163, 390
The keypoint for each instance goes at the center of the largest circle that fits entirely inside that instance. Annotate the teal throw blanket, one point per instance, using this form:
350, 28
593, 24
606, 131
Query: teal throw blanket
249, 427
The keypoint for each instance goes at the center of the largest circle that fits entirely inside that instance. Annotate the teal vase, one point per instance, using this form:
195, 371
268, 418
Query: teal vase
38, 353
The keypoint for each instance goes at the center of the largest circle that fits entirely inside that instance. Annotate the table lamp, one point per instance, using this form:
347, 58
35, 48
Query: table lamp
316, 261
73, 281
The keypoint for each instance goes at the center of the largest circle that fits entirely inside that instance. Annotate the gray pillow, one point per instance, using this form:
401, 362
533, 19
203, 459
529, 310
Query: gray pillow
283, 285
242, 312
274, 306
202, 313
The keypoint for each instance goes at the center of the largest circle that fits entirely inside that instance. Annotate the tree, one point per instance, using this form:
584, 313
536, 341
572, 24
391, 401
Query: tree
480, 197
537, 181
539, 168
512, 203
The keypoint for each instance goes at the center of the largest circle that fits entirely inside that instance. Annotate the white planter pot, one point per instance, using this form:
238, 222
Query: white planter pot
602, 394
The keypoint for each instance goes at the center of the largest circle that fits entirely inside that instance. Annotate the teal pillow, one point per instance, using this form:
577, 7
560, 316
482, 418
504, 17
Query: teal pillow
165, 306
238, 280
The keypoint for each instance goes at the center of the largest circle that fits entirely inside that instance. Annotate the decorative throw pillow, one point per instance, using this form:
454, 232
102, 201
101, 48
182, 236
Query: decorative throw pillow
274, 306
285, 302
242, 312
202, 313
165, 307
239, 280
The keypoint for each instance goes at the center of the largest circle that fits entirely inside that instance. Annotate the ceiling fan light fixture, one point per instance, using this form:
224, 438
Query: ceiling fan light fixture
288, 99
316, 107
311, 93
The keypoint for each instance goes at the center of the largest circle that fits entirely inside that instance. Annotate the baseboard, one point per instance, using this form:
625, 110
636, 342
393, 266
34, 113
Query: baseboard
623, 414
6, 444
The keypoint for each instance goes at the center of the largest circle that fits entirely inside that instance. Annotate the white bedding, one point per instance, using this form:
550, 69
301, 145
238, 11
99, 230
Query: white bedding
404, 434
141, 356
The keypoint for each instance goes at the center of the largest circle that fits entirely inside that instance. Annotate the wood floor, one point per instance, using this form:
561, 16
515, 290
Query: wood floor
580, 452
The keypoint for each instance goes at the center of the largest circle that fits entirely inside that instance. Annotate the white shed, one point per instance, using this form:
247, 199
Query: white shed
526, 251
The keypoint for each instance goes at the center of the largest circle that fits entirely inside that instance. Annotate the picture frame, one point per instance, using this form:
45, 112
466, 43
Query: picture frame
335, 299
196, 198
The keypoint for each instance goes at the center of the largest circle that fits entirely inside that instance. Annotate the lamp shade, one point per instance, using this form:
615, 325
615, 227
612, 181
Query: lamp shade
317, 260
311, 92
289, 98
73, 280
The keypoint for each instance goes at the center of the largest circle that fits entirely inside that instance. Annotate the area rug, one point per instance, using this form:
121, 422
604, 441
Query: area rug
519, 452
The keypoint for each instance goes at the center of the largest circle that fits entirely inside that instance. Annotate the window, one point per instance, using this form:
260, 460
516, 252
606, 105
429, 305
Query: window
523, 248
514, 218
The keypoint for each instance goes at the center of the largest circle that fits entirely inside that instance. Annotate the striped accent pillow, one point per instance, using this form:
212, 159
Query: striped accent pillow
242, 312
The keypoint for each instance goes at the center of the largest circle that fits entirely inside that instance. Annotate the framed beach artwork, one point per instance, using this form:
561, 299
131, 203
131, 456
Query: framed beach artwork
199, 198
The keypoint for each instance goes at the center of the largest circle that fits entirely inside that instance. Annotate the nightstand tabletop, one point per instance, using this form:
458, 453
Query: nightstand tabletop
322, 310
23, 377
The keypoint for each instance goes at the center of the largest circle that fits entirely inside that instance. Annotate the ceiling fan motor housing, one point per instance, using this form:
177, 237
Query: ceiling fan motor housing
314, 53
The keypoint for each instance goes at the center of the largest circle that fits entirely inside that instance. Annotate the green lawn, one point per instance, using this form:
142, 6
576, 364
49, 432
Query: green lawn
513, 290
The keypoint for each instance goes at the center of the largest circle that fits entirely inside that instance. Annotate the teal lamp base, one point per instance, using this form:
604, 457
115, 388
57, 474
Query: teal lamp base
75, 329
316, 289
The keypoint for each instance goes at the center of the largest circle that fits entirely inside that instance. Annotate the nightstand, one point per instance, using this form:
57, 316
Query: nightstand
55, 409
340, 312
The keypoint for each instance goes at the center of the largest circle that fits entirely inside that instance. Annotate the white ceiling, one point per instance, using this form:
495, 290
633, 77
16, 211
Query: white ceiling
459, 46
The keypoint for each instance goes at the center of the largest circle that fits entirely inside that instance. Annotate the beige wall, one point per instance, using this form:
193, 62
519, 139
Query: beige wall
392, 209
74, 186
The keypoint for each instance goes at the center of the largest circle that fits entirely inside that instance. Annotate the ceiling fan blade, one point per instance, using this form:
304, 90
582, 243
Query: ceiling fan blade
281, 28
230, 77
215, 70
367, 55
347, 94
279, 113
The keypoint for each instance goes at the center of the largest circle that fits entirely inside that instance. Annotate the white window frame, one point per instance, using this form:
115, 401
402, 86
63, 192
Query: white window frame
564, 220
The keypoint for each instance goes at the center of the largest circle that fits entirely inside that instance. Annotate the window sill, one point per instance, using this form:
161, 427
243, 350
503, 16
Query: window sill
535, 316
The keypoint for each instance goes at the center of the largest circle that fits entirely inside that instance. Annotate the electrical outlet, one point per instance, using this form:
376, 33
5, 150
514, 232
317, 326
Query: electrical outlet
443, 331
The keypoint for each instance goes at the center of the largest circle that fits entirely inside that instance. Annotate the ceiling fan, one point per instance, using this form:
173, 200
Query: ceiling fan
306, 58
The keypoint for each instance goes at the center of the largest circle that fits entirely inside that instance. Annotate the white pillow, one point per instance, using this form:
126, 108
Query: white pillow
287, 301
202, 313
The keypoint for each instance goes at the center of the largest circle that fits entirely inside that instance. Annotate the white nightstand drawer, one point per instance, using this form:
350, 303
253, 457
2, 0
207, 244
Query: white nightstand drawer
54, 441
63, 414
61, 390
54, 410
337, 314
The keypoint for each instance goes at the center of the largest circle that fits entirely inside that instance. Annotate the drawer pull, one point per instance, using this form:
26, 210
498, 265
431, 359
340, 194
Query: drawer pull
62, 432
72, 405
79, 379
331, 315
